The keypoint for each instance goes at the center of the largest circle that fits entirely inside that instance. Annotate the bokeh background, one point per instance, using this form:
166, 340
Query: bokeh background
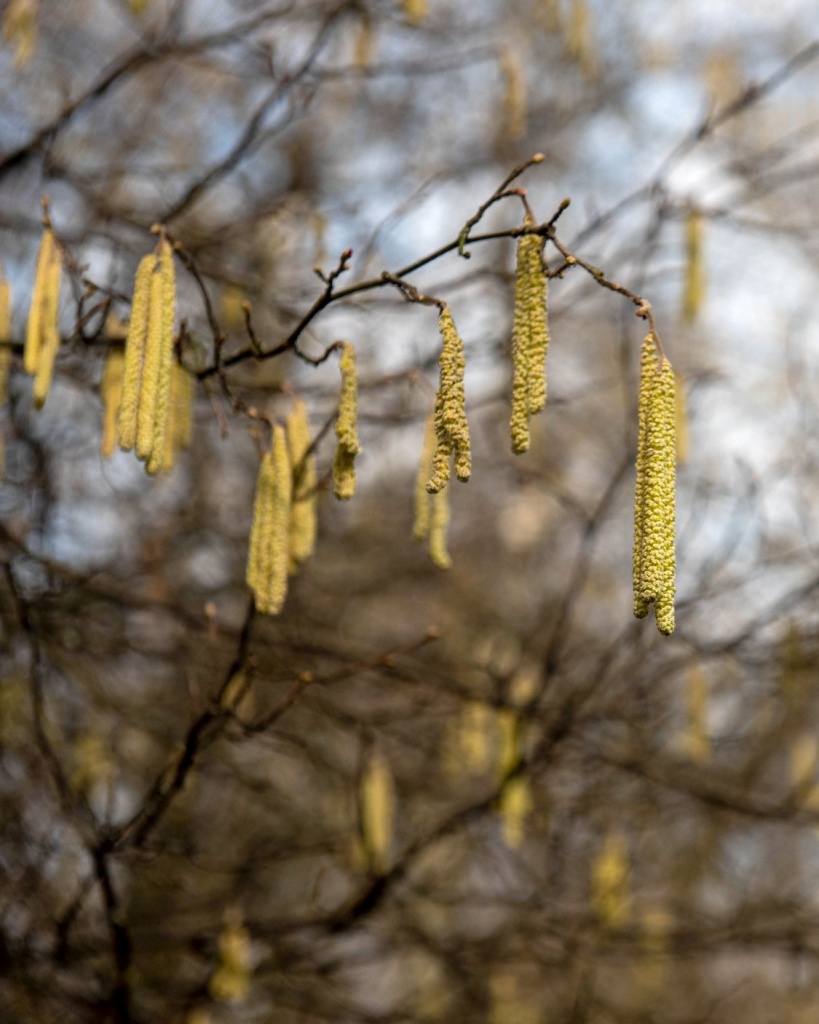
485, 794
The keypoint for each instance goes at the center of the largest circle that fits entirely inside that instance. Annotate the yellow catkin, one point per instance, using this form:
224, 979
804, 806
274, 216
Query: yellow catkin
183, 395
364, 42
303, 513
230, 981
111, 395
515, 805
49, 328
530, 338
149, 385
415, 11
514, 108
20, 29
451, 427
431, 510
694, 287
475, 732
346, 426
34, 333
167, 312
508, 725
135, 353
697, 741
5, 336
377, 806
268, 554
580, 42
610, 883
654, 506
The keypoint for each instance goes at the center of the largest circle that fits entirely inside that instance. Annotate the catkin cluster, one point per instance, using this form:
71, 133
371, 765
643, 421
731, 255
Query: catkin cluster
346, 427
530, 339
302, 532
144, 415
451, 427
42, 332
431, 510
268, 556
654, 502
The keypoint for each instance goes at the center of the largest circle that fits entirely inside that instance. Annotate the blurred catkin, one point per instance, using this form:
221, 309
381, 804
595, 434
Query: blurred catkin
515, 805
346, 426
431, 510
514, 106
530, 338
47, 319
135, 353
111, 395
610, 882
303, 511
20, 29
5, 336
268, 553
654, 504
377, 803
451, 427
694, 287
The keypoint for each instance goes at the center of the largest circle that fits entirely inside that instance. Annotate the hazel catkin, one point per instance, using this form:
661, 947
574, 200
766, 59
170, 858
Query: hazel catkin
654, 504
530, 338
302, 537
451, 426
346, 426
268, 553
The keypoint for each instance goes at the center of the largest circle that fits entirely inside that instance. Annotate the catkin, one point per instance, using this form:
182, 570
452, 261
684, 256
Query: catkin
346, 426
515, 805
694, 288
111, 395
530, 338
48, 326
268, 555
451, 426
514, 111
431, 510
415, 10
610, 882
161, 436
20, 29
377, 805
654, 504
135, 353
302, 538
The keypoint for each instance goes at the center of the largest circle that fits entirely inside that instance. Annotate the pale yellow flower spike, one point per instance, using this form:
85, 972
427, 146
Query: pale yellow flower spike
416, 10
346, 426
184, 393
149, 387
530, 339
303, 513
681, 417
162, 437
377, 803
439, 521
5, 336
135, 353
694, 289
230, 981
420, 526
697, 741
654, 507
515, 805
451, 426
268, 557
111, 395
610, 883
34, 332
20, 30
514, 100
49, 328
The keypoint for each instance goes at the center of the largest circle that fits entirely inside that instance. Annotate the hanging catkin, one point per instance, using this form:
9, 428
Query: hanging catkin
268, 555
451, 427
147, 398
431, 510
530, 338
111, 395
42, 331
654, 504
610, 882
694, 288
377, 808
346, 426
303, 512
